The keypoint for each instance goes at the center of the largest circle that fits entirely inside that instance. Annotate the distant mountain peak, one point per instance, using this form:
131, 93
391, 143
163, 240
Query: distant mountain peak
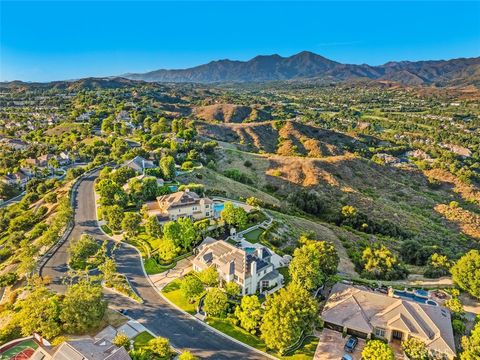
308, 65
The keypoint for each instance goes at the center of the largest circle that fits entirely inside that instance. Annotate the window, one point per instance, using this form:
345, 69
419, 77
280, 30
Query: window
380, 332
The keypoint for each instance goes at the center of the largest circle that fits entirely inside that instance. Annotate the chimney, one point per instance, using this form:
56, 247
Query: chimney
253, 268
259, 253
231, 270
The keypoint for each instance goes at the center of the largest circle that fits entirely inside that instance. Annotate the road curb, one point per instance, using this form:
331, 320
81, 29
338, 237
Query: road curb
175, 306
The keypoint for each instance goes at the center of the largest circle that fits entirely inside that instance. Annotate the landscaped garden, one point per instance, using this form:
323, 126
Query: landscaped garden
254, 235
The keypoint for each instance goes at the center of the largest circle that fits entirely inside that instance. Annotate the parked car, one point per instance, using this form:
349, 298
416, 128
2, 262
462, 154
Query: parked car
347, 357
351, 344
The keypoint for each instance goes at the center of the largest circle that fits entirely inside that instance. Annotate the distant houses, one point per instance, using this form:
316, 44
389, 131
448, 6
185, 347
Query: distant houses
181, 204
140, 164
18, 178
252, 270
14, 144
368, 314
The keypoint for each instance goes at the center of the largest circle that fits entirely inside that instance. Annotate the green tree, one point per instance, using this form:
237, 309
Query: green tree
313, 263
160, 347
188, 233
191, 287
153, 227
288, 313
121, 340
466, 273
167, 165
83, 307
108, 191
182, 232
108, 269
81, 250
39, 312
471, 344
216, 303
232, 289
187, 355
438, 265
249, 313
380, 263
415, 349
172, 231
209, 276
114, 216
455, 306
149, 188
167, 250
377, 350
234, 215
130, 223
349, 211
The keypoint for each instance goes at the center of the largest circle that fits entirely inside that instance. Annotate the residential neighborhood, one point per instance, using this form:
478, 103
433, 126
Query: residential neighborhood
269, 180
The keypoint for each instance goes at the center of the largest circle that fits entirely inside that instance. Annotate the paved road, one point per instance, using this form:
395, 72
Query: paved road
155, 313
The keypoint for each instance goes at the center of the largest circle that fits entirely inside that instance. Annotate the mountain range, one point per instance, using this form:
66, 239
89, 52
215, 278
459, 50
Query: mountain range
309, 66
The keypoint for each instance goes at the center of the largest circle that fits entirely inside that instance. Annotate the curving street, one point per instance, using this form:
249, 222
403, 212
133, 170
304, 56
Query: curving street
155, 313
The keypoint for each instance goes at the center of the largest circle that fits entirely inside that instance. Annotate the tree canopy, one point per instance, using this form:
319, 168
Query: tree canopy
313, 263
466, 273
288, 312
377, 350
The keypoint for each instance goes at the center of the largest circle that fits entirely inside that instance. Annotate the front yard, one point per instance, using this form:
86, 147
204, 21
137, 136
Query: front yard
173, 293
227, 326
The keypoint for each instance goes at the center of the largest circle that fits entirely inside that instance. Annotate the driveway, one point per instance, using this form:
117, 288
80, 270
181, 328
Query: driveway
330, 346
155, 313
183, 267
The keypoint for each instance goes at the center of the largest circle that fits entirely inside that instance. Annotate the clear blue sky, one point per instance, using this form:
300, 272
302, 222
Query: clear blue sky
43, 41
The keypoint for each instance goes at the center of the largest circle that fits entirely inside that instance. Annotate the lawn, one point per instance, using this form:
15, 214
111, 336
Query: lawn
285, 273
107, 230
227, 327
152, 267
173, 293
142, 339
306, 352
253, 236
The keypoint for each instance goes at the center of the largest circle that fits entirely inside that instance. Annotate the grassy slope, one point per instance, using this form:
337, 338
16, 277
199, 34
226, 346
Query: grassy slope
400, 196
382, 192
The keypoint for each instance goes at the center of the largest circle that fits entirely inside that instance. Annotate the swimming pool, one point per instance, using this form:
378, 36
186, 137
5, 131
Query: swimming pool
173, 188
218, 207
249, 250
420, 296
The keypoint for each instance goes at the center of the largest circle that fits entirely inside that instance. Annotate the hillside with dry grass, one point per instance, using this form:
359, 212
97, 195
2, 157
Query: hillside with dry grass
403, 197
284, 138
230, 113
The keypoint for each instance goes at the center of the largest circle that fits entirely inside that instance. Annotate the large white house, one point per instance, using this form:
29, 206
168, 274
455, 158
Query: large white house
181, 204
252, 271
